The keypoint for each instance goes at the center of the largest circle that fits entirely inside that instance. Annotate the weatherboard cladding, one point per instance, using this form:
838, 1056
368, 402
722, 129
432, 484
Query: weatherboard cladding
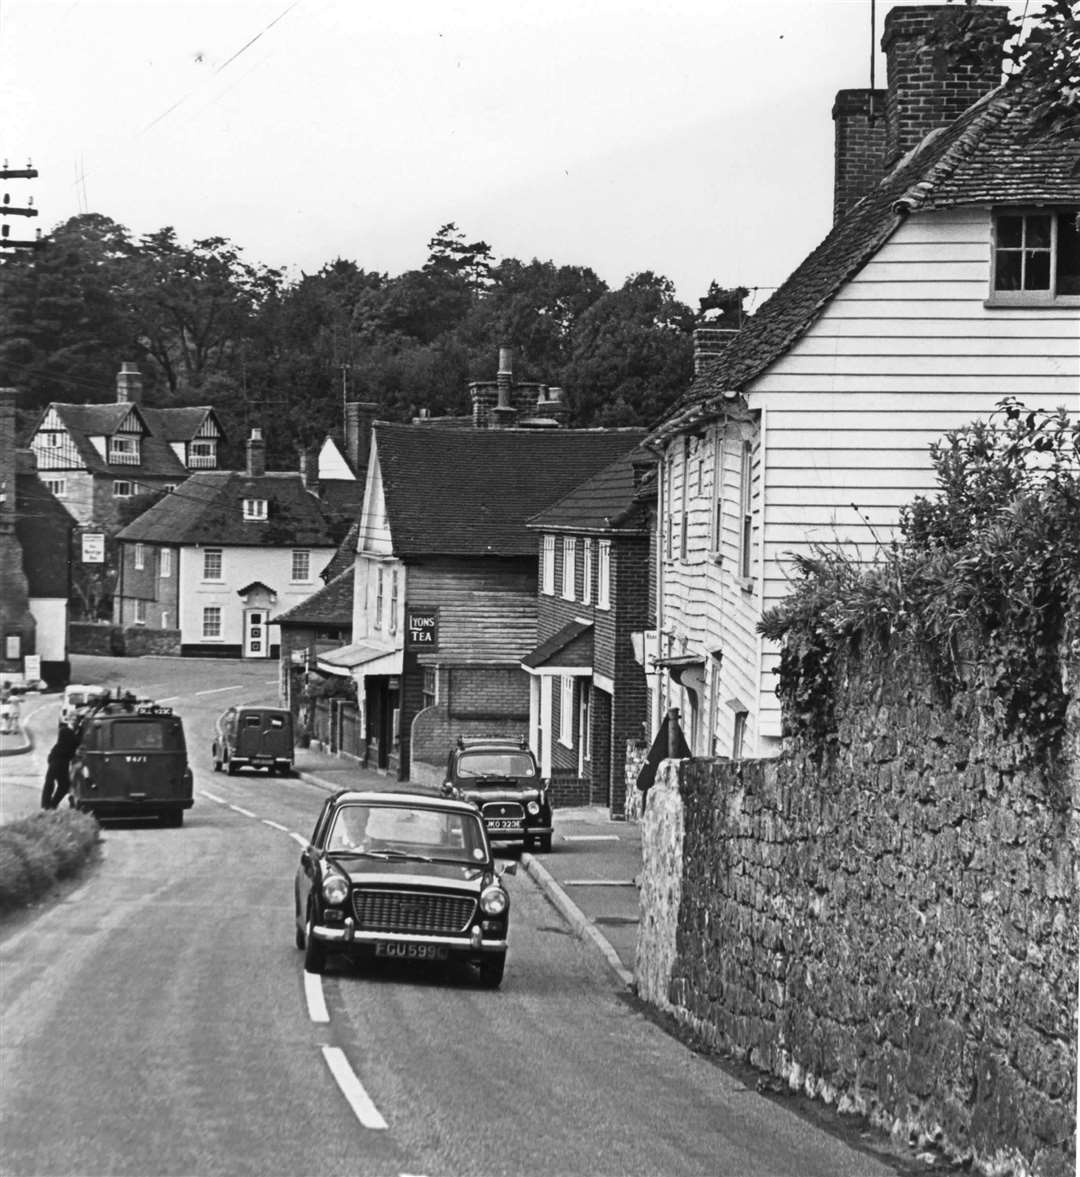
208, 509
605, 502
472, 492
987, 156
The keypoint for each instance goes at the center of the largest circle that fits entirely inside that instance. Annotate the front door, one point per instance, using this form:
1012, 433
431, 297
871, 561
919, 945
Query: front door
256, 644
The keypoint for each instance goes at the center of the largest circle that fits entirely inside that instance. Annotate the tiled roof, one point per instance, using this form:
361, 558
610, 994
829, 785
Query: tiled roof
86, 421
331, 605
208, 509
180, 423
43, 527
571, 646
345, 556
605, 502
987, 155
471, 492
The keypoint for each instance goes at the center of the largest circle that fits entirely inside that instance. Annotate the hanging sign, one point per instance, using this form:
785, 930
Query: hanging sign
421, 629
93, 547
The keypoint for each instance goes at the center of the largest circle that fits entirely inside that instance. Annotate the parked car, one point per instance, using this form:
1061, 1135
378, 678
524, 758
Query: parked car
502, 779
132, 762
401, 876
78, 700
247, 736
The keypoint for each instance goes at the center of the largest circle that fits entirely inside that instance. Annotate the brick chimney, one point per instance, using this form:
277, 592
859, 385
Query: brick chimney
129, 384
256, 454
358, 418
503, 413
859, 138
16, 620
309, 469
710, 344
928, 86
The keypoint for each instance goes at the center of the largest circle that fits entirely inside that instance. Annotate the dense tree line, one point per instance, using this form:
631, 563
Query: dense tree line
208, 327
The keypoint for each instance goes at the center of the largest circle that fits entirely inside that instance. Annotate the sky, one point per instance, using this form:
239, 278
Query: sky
692, 138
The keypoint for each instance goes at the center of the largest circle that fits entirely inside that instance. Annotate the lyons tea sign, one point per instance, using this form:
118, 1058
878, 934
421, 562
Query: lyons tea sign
421, 630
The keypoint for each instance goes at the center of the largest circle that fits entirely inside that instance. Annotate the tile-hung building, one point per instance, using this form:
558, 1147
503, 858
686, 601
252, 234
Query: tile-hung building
446, 580
950, 279
94, 457
588, 685
205, 567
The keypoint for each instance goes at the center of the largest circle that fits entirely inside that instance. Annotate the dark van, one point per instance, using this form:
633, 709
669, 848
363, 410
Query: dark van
254, 737
132, 762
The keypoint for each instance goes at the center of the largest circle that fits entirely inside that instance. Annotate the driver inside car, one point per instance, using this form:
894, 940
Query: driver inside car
350, 830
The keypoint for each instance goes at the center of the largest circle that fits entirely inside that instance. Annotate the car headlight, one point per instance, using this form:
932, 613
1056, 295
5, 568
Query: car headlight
335, 889
494, 901
533, 807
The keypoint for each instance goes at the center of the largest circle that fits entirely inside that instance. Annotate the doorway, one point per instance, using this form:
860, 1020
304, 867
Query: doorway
256, 644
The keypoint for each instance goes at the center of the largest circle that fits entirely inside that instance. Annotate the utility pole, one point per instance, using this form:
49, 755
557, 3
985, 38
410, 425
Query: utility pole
7, 209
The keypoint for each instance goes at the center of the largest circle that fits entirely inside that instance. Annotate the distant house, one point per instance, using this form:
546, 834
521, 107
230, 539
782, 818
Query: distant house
94, 457
202, 570
950, 279
589, 689
35, 546
445, 596
318, 625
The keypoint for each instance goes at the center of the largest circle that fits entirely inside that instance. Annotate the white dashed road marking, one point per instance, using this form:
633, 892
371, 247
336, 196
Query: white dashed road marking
351, 1087
245, 812
211, 797
298, 840
275, 825
316, 1002
218, 690
599, 883
590, 837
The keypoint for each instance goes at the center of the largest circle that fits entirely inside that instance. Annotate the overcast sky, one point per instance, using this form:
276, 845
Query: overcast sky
693, 138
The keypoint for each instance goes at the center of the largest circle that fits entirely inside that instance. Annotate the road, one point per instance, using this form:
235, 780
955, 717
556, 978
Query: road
156, 1019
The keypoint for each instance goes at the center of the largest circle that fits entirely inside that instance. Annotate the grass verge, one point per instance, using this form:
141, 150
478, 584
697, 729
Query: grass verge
38, 851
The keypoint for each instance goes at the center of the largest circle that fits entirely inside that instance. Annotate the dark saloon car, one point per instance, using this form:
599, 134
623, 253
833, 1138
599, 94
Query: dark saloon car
502, 779
401, 876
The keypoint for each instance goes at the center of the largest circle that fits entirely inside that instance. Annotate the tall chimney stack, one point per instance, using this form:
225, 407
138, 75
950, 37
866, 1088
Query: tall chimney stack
859, 146
256, 454
929, 86
129, 384
504, 414
358, 418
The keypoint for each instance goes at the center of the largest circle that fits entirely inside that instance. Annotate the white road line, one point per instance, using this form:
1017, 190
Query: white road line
316, 1002
599, 883
275, 825
590, 837
245, 812
170, 699
298, 840
211, 797
218, 690
351, 1087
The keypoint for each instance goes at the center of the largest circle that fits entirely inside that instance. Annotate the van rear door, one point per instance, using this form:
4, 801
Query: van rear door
145, 760
264, 737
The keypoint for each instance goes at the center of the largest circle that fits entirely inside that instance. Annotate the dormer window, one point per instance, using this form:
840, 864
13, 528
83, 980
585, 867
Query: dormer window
255, 509
202, 455
1036, 256
124, 451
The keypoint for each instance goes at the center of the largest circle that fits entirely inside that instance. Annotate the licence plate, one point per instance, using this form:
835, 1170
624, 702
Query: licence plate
411, 951
503, 823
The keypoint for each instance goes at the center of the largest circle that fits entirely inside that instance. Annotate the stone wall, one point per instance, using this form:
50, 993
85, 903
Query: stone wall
890, 924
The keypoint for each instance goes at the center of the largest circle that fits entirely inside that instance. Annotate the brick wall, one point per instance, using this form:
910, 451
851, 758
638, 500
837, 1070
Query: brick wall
891, 926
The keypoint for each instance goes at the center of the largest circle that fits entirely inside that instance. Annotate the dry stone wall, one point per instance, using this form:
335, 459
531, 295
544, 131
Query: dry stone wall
889, 923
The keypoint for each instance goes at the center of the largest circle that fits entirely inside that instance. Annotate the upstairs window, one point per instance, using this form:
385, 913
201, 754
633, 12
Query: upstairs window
603, 574
58, 486
586, 571
140, 556
1036, 256
301, 565
202, 455
165, 566
569, 567
379, 574
255, 509
122, 489
212, 567
392, 619
547, 560
746, 519
124, 451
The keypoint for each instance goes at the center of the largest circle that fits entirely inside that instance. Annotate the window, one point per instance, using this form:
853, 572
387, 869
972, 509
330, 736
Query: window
745, 518
58, 486
584, 724
165, 564
603, 574
51, 440
254, 508
566, 710
548, 566
684, 514
569, 567
301, 564
212, 564
392, 619
165, 619
738, 738
1036, 255
124, 451
429, 690
211, 621
669, 520
378, 597
717, 535
140, 556
202, 455
123, 490
140, 612
586, 571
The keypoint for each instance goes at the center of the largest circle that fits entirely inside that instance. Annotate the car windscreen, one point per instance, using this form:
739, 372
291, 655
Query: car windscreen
400, 829
143, 735
474, 764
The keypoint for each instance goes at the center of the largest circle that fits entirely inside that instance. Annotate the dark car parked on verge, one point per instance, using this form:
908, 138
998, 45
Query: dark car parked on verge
402, 876
132, 762
254, 737
502, 779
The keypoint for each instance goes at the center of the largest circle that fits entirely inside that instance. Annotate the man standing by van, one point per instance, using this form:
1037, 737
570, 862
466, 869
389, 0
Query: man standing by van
57, 782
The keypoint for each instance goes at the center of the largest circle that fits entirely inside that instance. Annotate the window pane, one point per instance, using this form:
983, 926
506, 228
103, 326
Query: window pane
1009, 232
1038, 232
1007, 272
1068, 254
1037, 270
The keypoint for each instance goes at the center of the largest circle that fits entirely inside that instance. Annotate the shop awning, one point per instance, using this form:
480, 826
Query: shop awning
570, 648
361, 657
690, 665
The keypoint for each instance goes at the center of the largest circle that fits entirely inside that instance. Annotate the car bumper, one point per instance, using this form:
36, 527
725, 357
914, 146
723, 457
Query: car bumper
517, 835
349, 934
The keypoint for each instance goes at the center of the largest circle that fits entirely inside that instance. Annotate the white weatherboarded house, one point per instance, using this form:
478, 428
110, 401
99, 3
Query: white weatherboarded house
950, 280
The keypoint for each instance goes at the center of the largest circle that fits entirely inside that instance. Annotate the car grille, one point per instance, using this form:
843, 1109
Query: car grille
412, 911
505, 810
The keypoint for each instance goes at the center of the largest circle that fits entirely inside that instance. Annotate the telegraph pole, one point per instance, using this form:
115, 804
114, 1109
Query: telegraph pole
7, 209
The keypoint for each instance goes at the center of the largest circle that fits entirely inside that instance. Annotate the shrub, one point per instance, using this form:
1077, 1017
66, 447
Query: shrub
37, 851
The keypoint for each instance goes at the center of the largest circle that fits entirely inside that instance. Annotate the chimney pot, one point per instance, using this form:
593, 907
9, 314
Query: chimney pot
129, 384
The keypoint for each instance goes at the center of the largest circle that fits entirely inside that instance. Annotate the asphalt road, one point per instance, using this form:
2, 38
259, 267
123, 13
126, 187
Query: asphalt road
156, 1018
